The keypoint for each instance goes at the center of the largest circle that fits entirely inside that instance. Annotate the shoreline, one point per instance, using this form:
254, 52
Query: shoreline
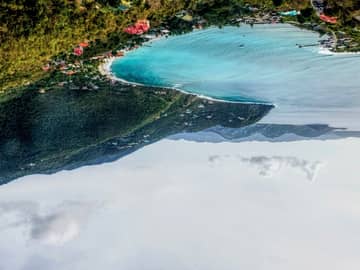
327, 51
324, 50
105, 70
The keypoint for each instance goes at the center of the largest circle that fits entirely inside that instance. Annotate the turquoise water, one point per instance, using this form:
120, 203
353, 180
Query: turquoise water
260, 64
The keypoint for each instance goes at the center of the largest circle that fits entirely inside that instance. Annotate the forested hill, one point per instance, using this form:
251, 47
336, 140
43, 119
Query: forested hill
347, 10
33, 31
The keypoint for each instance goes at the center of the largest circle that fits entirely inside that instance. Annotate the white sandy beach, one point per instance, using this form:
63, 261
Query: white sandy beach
105, 69
327, 51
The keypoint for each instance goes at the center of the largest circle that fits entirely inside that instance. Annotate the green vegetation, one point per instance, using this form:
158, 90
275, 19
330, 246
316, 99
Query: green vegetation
34, 31
346, 10
65, 122
50, 120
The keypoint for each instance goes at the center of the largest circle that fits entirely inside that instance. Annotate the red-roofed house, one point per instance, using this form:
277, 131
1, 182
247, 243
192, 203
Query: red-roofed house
328, 19
139, 28
78, 51
84, 44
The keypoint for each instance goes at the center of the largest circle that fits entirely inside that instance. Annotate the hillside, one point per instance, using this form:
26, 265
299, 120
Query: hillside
34, 31
31, 32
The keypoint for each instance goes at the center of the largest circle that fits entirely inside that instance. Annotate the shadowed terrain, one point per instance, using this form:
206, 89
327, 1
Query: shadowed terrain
71, 126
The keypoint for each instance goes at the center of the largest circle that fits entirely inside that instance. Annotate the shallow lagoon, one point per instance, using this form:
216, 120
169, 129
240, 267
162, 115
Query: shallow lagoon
259, 64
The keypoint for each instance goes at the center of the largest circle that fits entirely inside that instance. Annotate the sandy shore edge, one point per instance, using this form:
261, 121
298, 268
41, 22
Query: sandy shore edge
105, 70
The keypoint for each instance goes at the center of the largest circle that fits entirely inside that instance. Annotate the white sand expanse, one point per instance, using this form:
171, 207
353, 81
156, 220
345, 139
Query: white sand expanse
186, 205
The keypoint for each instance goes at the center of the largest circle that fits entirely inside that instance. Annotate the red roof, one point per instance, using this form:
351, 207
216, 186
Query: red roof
70, 72
140, 27
83, 44
78, 51
328, 19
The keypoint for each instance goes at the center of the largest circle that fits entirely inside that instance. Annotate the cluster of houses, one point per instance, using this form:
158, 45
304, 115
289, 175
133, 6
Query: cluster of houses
68, 69
260, 18
344, 41
328, 42
341, 40
142, 29
71, 68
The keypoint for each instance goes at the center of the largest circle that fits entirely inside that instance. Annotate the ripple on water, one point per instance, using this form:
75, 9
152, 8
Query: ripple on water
260, 64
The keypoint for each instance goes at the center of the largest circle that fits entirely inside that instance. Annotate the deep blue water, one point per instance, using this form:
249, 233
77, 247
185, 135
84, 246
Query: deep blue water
260, 64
